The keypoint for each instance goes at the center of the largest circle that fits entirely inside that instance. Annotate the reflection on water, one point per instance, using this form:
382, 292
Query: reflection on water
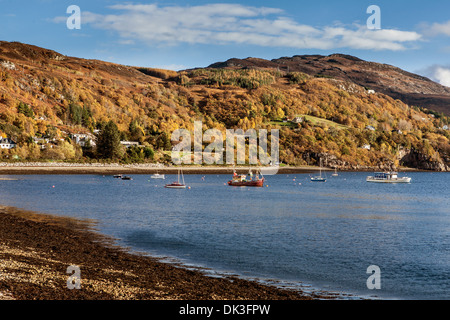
325, 235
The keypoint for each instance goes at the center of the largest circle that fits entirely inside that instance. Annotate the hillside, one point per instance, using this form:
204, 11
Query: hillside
399, 84
46, 98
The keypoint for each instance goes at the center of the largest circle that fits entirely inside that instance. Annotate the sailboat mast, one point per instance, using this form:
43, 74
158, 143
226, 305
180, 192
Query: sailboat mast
320, 167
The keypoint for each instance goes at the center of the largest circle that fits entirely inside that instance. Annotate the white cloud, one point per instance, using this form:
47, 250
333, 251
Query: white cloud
438, 73
443, 75
238, 24
437, 29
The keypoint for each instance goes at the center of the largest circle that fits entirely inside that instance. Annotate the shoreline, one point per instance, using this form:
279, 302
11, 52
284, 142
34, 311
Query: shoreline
37, 249
111, 169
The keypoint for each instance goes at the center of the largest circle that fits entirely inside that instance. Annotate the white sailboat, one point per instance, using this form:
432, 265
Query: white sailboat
319, 178
177, 184
335, 174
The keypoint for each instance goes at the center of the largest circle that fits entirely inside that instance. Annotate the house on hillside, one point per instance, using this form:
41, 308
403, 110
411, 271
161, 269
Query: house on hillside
128, 144
84, 139
6, 143
297, 120
41, 142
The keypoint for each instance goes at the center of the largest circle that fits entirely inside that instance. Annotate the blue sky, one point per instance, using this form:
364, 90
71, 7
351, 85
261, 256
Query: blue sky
414, 35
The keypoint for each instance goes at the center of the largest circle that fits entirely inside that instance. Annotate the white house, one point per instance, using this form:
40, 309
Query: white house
82, 139
297, 120
128, 144
41, 142
6, 143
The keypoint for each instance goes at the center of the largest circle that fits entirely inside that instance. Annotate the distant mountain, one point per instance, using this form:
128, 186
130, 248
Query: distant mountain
338, 109
410, 88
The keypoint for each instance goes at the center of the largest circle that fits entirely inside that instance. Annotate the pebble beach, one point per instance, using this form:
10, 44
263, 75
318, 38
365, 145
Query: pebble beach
36, 250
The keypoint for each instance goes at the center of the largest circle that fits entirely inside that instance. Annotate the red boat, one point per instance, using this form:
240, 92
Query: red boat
240, 180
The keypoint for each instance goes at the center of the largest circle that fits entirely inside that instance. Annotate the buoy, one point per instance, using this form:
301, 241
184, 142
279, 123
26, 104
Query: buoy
189, 187
53, 186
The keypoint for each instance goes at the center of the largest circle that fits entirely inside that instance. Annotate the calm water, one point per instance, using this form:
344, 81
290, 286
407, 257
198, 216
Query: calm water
324, 235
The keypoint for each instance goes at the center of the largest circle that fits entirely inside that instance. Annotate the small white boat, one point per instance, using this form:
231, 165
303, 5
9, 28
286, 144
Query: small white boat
335, 174
319, 178
157, 176
387, 177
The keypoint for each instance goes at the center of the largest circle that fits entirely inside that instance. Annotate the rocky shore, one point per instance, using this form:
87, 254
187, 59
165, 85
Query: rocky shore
114, 168
19, 168
37, 249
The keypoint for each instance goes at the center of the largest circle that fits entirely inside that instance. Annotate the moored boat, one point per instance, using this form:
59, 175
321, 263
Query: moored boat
157, 176
127, 178
387, 177
335, 174
319, 178
241, 180
177, 184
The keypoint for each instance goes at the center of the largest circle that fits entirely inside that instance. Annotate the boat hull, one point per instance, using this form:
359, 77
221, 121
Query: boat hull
318, 179
254, 183
399, 180
175, 186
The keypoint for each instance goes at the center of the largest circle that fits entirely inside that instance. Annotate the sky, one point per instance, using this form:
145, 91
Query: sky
412, 35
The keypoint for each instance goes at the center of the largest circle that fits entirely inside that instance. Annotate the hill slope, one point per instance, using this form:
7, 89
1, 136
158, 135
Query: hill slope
45, 96
399, 84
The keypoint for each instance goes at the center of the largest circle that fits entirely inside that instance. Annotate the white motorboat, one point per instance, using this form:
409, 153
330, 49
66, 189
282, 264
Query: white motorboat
157, 176
387, 177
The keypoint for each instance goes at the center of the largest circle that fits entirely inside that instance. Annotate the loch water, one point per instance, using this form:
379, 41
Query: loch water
292, 232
